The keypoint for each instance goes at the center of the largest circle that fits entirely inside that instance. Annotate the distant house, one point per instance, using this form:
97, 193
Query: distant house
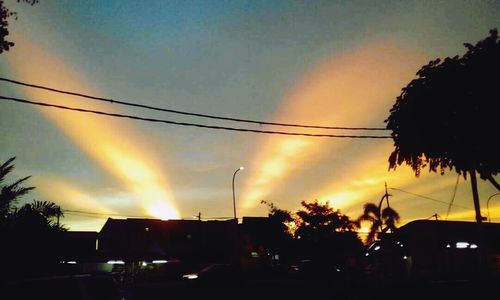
151, 239
432, 249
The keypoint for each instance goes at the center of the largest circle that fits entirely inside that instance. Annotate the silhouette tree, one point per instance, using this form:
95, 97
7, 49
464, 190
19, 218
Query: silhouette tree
318, 221
381, 220
281, 219
448, 116
326, 235
278, 237
5, 14
37, 216
10, 193
46, 211
32, 240
32, 226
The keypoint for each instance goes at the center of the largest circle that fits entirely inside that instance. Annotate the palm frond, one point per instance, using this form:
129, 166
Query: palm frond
6, 168
371, 209
46, 208
390, 218
390, 214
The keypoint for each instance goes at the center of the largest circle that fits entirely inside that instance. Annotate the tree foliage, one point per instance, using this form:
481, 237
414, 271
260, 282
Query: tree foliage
10, 193
36, 213
326, 235
27, 231
5, 15
448, 116
40, 213
280, 219
318, 221
321, 233
380, 220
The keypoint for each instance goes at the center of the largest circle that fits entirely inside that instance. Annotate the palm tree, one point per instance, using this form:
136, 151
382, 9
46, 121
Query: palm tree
27, 231
46, 209
371, 213
38, 215
390, 218
382, 220
10, 193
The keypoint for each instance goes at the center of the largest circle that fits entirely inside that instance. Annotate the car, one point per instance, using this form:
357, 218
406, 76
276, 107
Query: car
213, 273
313, 269
82, 287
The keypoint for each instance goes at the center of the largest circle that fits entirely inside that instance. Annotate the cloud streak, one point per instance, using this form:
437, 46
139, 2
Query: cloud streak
113, 144
356, 87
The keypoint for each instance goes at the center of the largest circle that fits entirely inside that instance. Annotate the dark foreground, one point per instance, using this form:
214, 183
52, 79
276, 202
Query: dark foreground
312, 289
105, 286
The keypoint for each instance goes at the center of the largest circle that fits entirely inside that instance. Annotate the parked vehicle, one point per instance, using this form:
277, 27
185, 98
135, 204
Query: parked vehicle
313, 269
213, 273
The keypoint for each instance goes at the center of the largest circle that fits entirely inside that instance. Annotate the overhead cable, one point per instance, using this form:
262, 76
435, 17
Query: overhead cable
70, 211
30, 85
453, 197
190, 124
429, 198
107, 215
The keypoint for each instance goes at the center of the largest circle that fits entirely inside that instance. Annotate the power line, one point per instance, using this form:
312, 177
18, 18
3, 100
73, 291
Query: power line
183, 112
86, 215
96, 214
453, 197
190, 124
107, 215
429, 198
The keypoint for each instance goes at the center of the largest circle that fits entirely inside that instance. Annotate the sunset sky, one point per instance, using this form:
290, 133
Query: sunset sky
330, 63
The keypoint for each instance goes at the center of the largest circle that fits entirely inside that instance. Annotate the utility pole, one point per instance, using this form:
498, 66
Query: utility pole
386, 194
386, 197
475, 196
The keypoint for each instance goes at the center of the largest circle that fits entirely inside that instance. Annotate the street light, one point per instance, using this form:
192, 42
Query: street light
234, 200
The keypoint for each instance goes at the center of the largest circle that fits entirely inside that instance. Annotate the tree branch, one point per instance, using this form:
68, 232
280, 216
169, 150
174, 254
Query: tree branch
493, 181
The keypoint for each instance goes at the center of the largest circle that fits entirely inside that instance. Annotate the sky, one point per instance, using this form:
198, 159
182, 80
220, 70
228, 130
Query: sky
329, 63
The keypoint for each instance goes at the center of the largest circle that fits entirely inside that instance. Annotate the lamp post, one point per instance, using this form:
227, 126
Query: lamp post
234, 198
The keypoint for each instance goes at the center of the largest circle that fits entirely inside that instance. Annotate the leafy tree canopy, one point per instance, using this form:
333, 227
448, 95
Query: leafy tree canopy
280, 218
10, 193
318, 221
29, 231
31, 216
5, 14
448, 117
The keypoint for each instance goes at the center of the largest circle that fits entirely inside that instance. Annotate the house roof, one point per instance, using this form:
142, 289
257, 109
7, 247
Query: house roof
452, 231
